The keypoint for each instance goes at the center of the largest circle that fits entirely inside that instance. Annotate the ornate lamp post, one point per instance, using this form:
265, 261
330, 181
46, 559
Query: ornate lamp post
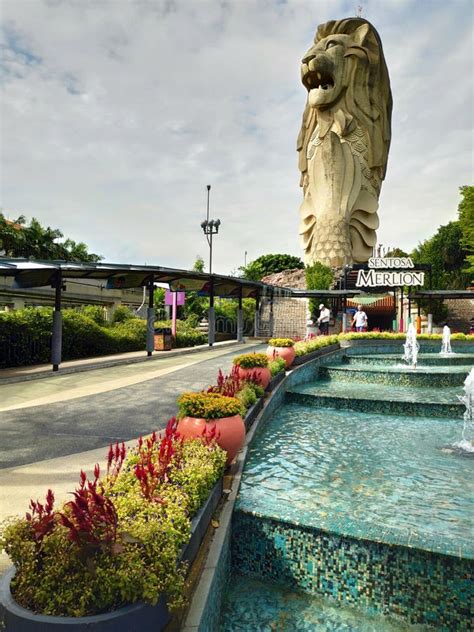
210, 228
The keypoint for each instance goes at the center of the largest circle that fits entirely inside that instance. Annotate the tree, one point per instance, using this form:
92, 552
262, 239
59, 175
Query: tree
446, 255
397, 252
270, 264
17, 239
195, 306
318, 277
466, 222
199, 264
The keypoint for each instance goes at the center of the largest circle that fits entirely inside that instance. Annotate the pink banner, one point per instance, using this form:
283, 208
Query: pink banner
180, 298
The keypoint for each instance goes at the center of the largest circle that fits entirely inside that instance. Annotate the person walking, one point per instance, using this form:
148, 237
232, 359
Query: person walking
323, 320
360, 319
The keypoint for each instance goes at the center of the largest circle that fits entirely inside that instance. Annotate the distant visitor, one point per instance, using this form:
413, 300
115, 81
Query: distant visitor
344, 141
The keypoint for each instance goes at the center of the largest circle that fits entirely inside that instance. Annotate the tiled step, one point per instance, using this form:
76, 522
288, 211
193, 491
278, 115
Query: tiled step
435, 377
424, 359
397, 400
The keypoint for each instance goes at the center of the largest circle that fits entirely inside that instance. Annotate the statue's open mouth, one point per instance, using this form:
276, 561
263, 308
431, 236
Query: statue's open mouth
318, 79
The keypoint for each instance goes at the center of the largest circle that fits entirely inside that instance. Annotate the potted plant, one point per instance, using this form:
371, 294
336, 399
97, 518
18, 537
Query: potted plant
254, 366
109, 558
212, 415
282, 348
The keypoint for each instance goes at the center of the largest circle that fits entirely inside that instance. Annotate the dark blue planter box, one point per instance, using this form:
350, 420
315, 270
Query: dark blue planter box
138, 617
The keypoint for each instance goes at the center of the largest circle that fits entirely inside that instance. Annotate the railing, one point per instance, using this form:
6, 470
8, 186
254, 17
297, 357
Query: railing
20, 349
228, 326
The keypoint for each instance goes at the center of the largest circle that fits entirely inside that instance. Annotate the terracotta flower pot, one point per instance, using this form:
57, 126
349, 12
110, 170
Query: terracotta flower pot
287, 353
262, 375
230, 432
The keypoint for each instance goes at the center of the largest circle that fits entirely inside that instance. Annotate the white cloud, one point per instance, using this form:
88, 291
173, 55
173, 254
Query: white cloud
117, 114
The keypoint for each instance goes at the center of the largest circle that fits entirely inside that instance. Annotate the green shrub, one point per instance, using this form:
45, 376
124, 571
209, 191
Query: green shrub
208, 405
122, 313
308, 346
186, 333
281, 342
251, 360
277, 365
96, 312
247, 396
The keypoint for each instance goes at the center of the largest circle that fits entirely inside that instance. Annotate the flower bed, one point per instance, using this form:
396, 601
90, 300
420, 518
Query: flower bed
118, 540
310, 345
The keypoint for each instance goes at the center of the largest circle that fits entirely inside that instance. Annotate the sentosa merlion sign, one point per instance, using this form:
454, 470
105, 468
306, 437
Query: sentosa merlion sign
344, 141
379, 276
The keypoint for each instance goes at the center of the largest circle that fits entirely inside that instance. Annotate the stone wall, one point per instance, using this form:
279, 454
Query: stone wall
460, 313
289, 318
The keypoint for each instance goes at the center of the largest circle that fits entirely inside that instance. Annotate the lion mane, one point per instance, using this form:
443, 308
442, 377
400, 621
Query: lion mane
353, 133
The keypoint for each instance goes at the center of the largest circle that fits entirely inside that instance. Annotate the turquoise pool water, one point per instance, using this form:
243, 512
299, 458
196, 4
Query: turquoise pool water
251, 605
387, 478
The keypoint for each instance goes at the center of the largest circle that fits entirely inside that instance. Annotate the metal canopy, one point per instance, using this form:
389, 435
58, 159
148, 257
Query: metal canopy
444, 294
324, 293
120, 276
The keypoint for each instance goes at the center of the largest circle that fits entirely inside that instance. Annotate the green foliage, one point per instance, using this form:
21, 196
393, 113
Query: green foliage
28, 331
466, 222
397, 252
186, 334
251, 360
247, 396
308, 346
318, 277
281, 342
121, 314
387, 335
18, 239
159, 297
96, 312
208, 405
269, 264
199, 264
56, 577
446, 255
277, 365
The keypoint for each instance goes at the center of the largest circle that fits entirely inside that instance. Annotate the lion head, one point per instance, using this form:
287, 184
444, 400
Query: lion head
345, 71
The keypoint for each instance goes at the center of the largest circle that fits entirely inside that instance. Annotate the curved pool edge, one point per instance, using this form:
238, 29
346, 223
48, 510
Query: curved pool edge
204, 611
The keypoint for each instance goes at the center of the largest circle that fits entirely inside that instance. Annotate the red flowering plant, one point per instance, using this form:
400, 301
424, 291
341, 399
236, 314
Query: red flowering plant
42, 518
91, 518
245, 389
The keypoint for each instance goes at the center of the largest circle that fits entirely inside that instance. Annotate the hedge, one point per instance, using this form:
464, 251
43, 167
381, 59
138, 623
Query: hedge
25, 336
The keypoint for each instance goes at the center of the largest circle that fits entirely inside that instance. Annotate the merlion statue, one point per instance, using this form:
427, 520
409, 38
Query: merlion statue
343, 143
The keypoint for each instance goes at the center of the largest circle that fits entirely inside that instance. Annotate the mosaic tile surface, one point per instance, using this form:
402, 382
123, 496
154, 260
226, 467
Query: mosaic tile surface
431, 376
212, 610
424, 359
420, 586
251, 605
380, 398
390, 478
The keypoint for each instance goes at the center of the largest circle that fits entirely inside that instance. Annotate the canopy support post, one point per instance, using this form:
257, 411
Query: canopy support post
150, 319
57, 339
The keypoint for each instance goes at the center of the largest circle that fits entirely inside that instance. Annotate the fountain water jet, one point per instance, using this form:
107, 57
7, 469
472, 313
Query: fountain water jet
467, 442
411, 347
446, 342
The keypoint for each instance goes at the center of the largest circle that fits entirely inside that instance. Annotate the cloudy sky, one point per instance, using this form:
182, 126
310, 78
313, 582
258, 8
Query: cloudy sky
116, 114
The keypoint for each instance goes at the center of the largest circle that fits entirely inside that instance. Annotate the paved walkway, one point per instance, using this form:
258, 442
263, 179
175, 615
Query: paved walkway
51, 428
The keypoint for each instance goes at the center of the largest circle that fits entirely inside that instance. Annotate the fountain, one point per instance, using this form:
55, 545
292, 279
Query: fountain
446, 342
411, 347
467, 442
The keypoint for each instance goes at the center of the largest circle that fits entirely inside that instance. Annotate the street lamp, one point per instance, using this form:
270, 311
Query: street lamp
210, 227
